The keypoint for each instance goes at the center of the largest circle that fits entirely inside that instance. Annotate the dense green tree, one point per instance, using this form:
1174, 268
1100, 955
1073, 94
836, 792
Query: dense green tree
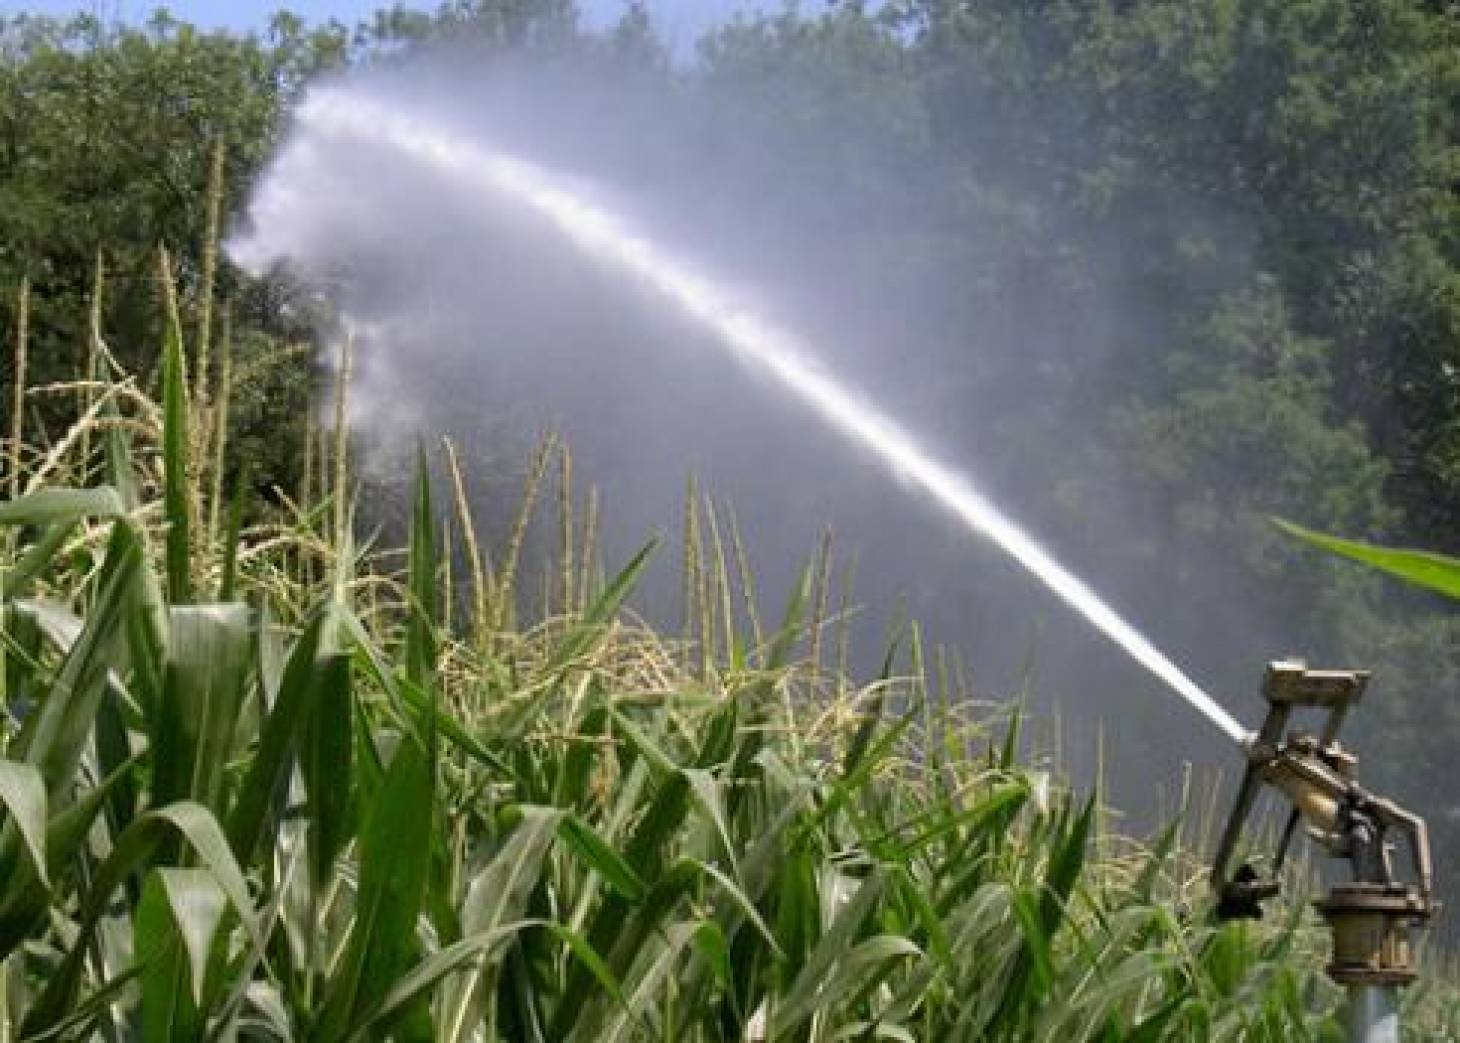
1222, 237
107, 133
1226, 237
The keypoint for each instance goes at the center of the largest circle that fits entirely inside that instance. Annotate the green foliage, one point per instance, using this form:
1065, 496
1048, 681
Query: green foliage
1225, 237
1420, 568
339, 823
331, 814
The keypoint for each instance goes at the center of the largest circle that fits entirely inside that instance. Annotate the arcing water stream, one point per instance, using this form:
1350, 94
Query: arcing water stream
334, 114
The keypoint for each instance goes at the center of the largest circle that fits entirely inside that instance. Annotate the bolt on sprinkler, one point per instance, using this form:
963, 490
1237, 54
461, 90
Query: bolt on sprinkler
1375, 918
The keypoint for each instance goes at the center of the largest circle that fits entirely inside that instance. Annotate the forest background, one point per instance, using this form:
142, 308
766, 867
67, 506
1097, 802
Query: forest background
1257, 200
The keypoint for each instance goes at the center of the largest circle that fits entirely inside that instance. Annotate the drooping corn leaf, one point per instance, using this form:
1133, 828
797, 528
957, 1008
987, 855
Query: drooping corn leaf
176, 925
1419, 568
208, 667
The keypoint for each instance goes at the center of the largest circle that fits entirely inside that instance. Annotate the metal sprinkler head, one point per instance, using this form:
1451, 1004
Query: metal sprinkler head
1375, 917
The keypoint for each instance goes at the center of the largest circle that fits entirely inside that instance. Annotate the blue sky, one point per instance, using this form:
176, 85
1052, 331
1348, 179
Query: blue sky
678, 18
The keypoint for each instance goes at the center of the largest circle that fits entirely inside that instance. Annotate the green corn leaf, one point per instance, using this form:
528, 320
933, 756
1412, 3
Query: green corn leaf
237, 504
57, 624
54, 736
67, 829
759, 866
169, 1009
644, 922
428, 973
121, 474
862, 739
572, 786
61, 506
267, 770
590, 628
196, 825
327, 748
23, 792
714, 950
424, 716
425, 598
587, 956
1009, 755
916, 897
393, 867
178, 921
418, 713
197, 904
208, 667
1419, 568
1033, 971
37, 557
81, 1023
24, 894
645, 992
176, 488
797, 909
739, 899
860, 968
596, 853
790, 629
1145, 885
840, 793
114, 754
499, 892
643, 745
706, 791
664, 817
146, 630
1154, 1027
721, 736
1064, 869
645, 855
1039, 964
496, 897
807, 991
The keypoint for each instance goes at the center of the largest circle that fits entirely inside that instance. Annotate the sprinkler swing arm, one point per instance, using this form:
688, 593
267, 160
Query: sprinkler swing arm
1373, 918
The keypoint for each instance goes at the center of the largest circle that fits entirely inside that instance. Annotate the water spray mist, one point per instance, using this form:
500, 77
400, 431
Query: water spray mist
334, 114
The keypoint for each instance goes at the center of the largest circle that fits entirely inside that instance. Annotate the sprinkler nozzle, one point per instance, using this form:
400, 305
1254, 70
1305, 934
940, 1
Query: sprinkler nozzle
1374, 917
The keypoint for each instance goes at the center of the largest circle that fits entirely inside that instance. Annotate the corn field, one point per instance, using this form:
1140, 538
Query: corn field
262, 783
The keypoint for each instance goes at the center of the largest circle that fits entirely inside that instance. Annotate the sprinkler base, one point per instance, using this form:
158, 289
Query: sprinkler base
1373, 929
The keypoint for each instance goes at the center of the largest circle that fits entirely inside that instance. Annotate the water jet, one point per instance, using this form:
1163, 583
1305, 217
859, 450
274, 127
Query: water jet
339, 116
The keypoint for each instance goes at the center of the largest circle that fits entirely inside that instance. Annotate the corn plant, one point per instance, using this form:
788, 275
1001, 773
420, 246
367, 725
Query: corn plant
259, 783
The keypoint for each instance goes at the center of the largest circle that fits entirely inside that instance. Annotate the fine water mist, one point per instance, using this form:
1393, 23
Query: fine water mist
335, 118
648, 263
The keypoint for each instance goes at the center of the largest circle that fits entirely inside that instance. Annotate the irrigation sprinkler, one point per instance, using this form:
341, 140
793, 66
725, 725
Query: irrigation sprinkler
1375, 917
